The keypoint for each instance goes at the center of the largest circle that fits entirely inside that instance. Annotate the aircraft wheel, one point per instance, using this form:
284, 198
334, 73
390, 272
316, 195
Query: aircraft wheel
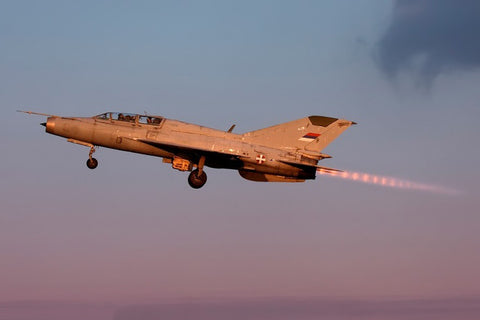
197, 181
92, 163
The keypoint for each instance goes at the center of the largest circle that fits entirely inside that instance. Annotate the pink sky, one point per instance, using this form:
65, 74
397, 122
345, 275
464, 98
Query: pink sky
133, 232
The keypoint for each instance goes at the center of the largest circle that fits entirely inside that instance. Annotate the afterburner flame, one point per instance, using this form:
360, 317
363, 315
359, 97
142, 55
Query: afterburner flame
386, 181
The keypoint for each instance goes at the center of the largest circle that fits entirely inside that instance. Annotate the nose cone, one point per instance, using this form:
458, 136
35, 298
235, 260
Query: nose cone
49, 125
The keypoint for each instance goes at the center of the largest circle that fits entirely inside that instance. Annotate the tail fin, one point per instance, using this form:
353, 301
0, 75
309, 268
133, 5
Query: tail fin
312, 133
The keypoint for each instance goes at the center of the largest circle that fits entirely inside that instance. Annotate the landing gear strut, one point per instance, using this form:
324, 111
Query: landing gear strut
92, 163
198, 177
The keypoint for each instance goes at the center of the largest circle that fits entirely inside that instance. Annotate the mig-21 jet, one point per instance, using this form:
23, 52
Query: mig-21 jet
287, 152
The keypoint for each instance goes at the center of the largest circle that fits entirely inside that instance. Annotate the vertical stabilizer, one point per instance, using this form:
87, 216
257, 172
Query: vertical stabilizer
312, 133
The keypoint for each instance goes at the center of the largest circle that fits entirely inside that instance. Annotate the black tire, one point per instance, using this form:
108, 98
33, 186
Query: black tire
195, 181
92, 163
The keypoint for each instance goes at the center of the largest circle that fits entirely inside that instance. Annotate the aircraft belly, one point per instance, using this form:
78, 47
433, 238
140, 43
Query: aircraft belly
265, 177
280, 169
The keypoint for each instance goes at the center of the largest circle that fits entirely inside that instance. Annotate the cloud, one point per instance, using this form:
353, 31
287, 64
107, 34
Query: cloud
431, 37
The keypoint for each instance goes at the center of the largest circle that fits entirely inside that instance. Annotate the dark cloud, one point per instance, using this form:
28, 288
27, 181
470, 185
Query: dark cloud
430, 37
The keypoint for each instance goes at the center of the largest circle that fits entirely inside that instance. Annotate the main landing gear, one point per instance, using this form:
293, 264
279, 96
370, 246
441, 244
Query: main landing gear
198, 177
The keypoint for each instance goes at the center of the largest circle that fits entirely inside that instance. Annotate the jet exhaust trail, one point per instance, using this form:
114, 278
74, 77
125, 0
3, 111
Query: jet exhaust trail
386, 181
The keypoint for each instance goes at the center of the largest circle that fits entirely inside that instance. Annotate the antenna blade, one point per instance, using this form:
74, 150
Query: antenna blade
231, 129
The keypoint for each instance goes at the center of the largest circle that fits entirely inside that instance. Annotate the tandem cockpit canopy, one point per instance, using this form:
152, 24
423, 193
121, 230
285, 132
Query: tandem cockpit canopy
130, 117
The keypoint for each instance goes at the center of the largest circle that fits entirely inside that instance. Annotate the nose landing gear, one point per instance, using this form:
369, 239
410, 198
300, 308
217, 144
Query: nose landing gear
92, 163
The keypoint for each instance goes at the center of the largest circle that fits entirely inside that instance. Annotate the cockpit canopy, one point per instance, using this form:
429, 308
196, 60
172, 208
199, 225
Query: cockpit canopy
130, 117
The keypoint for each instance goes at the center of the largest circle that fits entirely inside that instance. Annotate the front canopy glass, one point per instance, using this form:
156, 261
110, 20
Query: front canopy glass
130, 117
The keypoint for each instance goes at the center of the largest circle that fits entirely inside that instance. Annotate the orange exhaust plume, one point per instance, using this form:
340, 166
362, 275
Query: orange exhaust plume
386, 181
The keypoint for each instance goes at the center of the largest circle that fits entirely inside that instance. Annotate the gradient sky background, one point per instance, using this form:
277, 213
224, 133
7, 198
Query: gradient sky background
132, 231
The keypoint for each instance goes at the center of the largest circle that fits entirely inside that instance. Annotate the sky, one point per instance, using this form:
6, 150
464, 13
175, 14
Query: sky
131, 237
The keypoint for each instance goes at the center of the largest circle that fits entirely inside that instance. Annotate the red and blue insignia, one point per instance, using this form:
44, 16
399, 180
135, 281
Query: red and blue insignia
310, 136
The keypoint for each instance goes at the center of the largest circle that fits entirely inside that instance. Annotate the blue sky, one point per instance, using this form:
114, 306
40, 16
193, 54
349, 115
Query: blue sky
132, 231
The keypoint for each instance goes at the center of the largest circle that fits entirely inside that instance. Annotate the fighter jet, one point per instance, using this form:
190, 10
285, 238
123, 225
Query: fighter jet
287, 152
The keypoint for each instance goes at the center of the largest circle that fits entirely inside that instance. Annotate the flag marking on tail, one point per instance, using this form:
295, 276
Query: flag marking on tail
309, 136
